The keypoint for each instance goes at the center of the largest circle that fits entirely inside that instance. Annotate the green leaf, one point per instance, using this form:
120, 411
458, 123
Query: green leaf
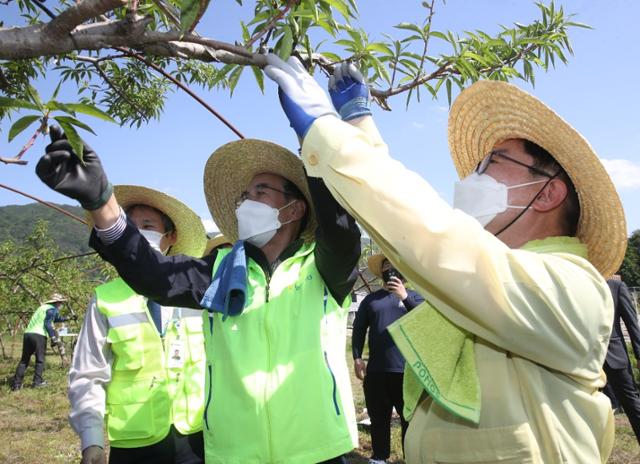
332, 56
380, 48
339, 6
410, 27
346, 43
55, 92
6, 103
234, 77
73, 121
439, 35
21, 124
72, 136
53, 105
190, 13
35, 97
89, 110
286, 43
257, 72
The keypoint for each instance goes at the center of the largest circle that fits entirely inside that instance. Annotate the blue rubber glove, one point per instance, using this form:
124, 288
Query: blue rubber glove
349, 92
301, 97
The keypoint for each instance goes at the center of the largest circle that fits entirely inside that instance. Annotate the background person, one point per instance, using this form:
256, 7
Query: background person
137, 365
617, 364
382, 375
34, 340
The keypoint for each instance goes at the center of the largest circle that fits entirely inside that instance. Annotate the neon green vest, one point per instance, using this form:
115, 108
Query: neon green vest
146, 394
278, 386
36, 324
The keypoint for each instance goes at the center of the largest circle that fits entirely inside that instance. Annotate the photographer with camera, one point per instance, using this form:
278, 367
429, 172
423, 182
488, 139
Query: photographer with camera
382, 375
35, 340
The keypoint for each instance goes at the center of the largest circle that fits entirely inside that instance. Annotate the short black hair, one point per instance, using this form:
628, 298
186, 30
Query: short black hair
291, 190
168, 224
545, 161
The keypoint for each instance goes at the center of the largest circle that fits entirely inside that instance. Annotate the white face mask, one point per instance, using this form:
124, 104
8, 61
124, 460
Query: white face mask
258, 222
483, 197
154, 238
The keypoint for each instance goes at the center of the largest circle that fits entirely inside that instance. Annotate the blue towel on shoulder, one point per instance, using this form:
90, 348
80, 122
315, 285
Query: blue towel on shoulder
228, 290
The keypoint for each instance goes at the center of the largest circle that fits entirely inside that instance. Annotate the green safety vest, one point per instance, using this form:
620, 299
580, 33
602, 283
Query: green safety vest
146, 394
36, 324
277, 383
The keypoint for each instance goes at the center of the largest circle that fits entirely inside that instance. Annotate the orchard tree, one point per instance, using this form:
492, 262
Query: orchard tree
33, 269
124, 56
630, 269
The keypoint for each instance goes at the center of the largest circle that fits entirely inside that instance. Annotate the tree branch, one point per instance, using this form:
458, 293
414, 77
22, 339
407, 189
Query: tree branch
187, 90
77, 14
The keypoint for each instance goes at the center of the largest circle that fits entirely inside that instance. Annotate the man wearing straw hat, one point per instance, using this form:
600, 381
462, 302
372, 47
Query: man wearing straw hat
35, 340
138, 365
277, 383
504, 364
382, 374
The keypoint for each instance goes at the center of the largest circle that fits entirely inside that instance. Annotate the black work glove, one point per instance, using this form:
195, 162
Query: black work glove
55, 341
63, 171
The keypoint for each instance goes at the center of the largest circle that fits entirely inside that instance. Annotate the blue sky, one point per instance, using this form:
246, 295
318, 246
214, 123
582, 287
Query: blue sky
597, 92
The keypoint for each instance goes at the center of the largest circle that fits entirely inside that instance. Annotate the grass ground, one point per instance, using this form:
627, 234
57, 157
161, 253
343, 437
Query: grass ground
34, 427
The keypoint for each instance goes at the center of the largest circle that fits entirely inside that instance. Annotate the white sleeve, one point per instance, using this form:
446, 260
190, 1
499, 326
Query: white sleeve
89, 374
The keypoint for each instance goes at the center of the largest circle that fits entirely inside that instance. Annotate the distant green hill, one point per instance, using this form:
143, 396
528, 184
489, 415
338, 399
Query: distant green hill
17, 221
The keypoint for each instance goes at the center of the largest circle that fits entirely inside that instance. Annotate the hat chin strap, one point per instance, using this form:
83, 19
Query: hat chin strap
526, 208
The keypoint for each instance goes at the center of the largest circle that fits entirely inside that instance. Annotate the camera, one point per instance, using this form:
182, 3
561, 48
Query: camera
389, 273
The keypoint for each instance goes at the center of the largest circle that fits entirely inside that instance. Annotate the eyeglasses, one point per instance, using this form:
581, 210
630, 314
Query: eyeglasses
484, 164
256, 192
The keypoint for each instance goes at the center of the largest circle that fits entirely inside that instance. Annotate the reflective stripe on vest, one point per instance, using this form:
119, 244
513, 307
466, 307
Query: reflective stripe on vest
36, 323
145, 396
277, 386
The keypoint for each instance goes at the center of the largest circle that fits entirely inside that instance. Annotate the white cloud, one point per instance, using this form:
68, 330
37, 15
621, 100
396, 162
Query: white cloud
624, 173
417, 125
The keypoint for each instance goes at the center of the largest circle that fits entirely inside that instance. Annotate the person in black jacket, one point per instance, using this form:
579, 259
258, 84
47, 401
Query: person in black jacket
617, 365
382, 382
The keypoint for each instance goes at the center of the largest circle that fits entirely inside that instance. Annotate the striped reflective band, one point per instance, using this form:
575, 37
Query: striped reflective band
128, 319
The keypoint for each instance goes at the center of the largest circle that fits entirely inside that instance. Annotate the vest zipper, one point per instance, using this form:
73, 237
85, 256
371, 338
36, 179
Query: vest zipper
206, 407
210, 371
326, 358
266, 331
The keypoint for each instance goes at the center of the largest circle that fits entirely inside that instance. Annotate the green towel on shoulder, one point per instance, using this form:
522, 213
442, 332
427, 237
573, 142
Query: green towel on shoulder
440, 355
440, 359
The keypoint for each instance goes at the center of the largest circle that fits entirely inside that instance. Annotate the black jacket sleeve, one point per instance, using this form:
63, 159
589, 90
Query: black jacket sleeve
629, 316
337, 241
360, 327
412, 300
168, 280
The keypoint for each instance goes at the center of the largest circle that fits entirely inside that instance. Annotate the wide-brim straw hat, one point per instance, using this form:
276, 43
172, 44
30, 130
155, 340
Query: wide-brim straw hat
55, 298
214, 243
489, 112
374, 263
192, 237
230, 169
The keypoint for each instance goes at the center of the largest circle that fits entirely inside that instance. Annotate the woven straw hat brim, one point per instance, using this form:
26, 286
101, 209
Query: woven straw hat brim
192, 238
55, 298
374, 263
215, 242
489, 112
230, 169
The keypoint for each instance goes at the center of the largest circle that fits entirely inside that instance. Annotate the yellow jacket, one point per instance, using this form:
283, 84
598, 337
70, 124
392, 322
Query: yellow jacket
541, 321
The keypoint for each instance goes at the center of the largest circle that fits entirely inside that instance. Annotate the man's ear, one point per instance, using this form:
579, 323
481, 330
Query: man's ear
297, 210
551, 197
172, 237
